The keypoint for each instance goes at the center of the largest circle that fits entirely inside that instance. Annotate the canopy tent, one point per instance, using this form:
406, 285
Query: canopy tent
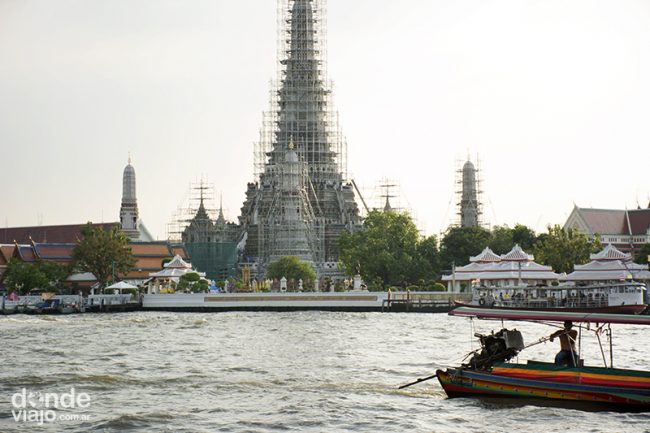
121, 285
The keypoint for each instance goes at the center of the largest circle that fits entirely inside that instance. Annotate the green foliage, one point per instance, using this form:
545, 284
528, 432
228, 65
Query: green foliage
643, 255
189, 280
200, 286
501, 241
103, 252
561, 249
134, 292
524, 236
291, 268
437, 288
389, 251
22, 277
504, 238
459, 243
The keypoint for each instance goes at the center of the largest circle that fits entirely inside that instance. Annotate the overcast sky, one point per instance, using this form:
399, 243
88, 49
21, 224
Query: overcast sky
553, 95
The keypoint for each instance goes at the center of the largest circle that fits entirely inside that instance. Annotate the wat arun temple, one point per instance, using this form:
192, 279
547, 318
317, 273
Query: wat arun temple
301, 200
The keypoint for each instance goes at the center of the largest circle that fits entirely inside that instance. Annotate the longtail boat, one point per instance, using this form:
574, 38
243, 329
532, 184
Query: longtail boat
490, 374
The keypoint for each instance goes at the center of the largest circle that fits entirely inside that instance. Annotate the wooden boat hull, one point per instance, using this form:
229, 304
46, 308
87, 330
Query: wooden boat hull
602, 388
616, 309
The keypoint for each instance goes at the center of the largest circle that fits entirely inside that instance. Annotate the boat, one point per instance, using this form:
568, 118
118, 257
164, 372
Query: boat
490, 372
621, 298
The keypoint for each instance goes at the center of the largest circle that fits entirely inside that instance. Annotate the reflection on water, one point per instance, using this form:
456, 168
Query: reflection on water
259, 372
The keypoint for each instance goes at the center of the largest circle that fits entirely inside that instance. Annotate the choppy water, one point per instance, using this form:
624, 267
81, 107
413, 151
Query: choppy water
268, 372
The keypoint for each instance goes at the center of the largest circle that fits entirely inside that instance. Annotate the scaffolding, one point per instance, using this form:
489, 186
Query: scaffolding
301, 97
301, 144
198, 192
469, 193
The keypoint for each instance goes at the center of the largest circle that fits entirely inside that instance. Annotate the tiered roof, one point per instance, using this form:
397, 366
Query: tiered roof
175, 269
148, 255
609, 265
178, 263
610, 253
517, 255
487, 255
509, 266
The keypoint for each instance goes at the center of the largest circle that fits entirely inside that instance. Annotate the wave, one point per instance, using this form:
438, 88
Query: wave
126, 422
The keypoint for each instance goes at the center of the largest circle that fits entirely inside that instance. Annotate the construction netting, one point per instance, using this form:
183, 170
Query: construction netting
217, 259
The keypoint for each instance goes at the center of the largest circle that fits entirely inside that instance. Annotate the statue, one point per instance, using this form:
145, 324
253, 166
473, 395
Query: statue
357, 282
300, 285
283, 284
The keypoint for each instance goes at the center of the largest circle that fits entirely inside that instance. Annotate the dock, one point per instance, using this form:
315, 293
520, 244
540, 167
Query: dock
353, 301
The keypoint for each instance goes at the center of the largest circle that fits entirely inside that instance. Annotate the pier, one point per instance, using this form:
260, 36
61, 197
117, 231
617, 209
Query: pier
353, 301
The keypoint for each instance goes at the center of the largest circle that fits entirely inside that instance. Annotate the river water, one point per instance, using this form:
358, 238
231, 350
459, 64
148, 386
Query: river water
271, 372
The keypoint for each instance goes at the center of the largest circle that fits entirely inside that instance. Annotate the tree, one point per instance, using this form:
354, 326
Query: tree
292, 268
103, 253
389, 251
562, 249
643, 256
188, 280
429, 251
505, 238
502, 239
524, 236
23, 277
460, 243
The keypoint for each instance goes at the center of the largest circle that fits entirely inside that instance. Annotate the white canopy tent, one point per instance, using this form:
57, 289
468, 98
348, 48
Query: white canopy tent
119, 286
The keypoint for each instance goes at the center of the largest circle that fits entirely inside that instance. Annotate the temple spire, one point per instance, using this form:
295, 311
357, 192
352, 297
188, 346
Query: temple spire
220, 218
129, 218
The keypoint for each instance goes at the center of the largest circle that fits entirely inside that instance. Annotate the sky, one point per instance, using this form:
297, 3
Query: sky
552, 96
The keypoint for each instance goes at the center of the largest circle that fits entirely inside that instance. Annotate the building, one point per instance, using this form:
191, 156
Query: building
212, 244
627, 230
130, 222
609, 266
149, 257
469, 206
68, 233
516, 268
172, 272
301, 201
56, 243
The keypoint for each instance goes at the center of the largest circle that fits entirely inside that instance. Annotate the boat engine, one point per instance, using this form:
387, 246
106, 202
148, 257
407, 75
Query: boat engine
499, 347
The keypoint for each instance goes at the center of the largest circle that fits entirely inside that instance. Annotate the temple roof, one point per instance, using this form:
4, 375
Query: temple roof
510, 266
506, 270
178, 263
61, 253
637, 222
62, 234
487, 255
151, 249
609, 270
604, 221
516, 255
610, 253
